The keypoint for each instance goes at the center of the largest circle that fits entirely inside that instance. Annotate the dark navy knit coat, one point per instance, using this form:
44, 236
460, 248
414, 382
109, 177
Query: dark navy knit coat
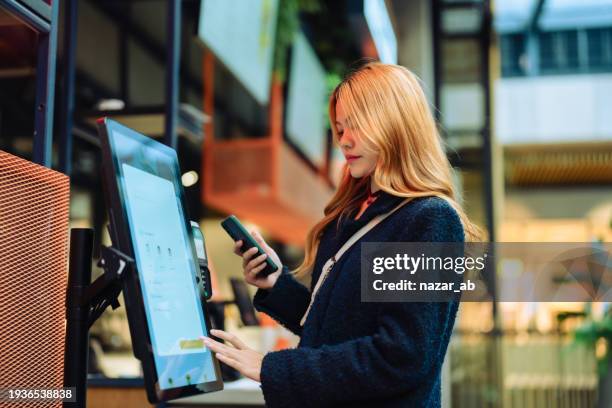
358, 354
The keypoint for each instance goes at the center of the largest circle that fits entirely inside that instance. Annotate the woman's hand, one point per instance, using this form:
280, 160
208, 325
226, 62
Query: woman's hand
240, 357
252, 266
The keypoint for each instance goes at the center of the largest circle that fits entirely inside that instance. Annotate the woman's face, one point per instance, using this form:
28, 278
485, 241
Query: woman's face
360, 162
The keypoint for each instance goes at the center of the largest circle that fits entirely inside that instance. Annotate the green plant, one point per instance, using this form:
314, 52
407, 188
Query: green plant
287, 26
594, 331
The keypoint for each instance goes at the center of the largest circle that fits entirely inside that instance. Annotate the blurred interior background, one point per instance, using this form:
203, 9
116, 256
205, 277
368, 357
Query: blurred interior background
522, 90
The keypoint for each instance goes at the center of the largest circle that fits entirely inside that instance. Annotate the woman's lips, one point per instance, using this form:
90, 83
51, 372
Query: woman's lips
351, 159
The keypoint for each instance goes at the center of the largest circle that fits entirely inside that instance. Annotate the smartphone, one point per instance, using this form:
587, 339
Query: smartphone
237, 231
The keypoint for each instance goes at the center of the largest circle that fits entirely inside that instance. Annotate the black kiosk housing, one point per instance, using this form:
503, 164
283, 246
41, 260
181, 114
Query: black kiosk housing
86, 302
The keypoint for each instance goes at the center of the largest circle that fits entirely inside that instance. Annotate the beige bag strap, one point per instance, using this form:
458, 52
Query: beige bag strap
327, 267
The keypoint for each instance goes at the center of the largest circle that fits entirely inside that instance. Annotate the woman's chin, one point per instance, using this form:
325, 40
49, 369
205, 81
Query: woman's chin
356, 173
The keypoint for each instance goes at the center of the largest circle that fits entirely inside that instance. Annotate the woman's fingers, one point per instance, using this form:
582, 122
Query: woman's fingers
229, 361
221, 348
231, 338
237, 246
247, 255
253, 272
256, 261
240, 356
259, 239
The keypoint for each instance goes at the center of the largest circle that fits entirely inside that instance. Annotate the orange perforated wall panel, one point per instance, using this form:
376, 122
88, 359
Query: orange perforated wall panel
34, 204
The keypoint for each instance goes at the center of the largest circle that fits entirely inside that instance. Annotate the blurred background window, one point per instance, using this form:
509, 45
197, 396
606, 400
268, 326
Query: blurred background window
512, 48
559, 51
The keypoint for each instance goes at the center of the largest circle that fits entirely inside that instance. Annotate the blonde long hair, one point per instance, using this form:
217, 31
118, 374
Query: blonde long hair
387, 106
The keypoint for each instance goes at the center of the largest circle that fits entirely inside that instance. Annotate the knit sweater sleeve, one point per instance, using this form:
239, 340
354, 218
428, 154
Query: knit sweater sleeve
286, 302
403, 353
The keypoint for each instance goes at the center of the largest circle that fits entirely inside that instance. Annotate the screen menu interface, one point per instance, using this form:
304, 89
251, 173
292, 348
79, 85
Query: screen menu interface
165, 263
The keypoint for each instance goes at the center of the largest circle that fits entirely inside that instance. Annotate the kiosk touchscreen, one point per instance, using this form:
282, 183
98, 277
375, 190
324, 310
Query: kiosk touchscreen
166, 312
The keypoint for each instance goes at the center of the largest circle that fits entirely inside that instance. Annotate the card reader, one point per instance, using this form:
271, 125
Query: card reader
203, 279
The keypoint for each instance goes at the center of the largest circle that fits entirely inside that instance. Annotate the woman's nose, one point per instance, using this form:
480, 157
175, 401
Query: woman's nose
345, 142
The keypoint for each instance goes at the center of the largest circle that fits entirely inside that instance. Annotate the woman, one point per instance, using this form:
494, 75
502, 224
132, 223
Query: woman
353, 353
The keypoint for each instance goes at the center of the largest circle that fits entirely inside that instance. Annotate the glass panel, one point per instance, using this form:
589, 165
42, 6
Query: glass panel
559, 51
462, 106
18, 55
461, 60
599, 48
17, 47
461, 20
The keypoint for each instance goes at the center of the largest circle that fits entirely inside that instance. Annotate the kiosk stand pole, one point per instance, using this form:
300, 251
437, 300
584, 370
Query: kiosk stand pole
77, 330
85, 303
